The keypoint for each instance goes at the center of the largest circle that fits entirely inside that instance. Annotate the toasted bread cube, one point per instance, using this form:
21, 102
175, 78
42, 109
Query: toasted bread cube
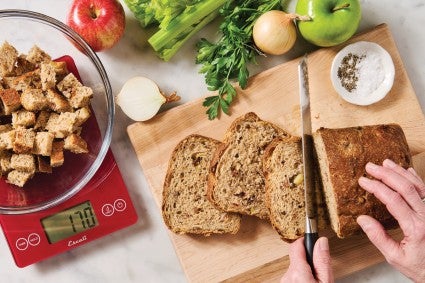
23, 118
19, 178
7, 139
43, 164
8, 56
61, 125
57, 157
47, 76
38, 56
75, 144
43, 143
68, 85
33, 99
24, 140
5, 162
23, 162
41, 120
83, 114
10, 99
57, 102
60, 68
23, 66
81, 97
24, 81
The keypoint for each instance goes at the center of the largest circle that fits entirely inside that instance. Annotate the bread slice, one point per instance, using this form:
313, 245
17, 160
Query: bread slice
185, 207
283, 171
236, 181
342, 156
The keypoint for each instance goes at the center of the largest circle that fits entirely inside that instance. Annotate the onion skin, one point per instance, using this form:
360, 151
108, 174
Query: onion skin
274, 32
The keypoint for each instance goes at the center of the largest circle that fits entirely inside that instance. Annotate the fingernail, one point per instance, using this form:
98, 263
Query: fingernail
371, 166
363, 222
389, 163
364, 181
323, 244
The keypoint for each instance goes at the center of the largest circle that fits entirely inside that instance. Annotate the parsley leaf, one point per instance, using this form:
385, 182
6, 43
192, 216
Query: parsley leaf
229, 57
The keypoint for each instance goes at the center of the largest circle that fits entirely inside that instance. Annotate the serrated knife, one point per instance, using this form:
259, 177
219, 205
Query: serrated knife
311, 233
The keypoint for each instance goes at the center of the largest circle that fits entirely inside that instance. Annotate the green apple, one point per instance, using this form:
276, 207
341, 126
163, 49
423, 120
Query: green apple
331, 21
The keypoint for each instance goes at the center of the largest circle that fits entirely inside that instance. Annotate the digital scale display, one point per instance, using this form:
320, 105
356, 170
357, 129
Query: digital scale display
69, 222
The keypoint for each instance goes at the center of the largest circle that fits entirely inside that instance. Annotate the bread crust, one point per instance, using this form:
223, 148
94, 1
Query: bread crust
345, 152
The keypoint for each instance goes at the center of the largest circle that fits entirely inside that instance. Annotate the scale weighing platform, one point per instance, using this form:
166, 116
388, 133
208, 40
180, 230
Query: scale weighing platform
103, 206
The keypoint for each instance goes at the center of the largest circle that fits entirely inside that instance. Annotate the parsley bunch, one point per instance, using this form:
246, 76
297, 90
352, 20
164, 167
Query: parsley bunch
228, 58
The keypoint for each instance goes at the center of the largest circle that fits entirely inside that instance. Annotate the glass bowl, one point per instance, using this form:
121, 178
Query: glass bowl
24, 29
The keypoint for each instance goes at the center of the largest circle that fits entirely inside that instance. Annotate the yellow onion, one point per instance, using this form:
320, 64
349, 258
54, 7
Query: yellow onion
274, 32
140, 98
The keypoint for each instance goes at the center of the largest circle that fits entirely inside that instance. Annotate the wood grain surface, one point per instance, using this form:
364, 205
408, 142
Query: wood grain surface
256, 253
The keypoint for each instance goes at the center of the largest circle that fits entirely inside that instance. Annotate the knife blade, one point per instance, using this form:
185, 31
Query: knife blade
311, 233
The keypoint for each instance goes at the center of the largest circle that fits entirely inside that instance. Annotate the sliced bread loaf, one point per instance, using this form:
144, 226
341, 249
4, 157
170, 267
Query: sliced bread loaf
236, 180
185, 208
342, 157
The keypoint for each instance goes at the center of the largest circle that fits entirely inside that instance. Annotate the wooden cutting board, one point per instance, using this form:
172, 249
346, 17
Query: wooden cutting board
256, 253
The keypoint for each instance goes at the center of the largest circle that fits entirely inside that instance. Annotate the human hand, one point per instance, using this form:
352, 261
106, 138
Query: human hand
402, 192
300, 271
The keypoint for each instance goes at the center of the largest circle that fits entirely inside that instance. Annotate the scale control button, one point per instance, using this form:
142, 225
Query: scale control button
34, 239
21, 244
108, 209
120, 205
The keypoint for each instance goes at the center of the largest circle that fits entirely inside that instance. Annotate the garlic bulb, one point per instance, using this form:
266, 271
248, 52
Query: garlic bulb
140, 98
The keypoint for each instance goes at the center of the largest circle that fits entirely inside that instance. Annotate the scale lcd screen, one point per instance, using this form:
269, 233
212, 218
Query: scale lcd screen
69, 222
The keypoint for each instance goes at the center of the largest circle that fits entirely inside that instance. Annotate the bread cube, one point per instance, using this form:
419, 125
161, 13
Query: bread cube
81, 97
41, 120
38, 56
22, 66
10, 99
43, 164
75, 144
23, 162
68, 85
27, 80
24, 140
5, 162
33, 99
43, 143
19, 178
23, 118
7, 139
47, 76
57, 102
83, 114
61, 125
8, 56
57, 157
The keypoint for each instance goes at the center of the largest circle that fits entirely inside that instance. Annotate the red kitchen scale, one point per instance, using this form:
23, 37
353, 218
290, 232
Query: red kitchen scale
101, 207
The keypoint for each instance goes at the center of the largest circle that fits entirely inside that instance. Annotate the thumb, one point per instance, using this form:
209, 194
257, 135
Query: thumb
322, 261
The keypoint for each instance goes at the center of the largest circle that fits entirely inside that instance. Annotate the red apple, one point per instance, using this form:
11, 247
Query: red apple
100, 22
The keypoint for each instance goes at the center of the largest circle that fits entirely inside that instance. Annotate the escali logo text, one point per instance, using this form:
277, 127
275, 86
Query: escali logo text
76, 242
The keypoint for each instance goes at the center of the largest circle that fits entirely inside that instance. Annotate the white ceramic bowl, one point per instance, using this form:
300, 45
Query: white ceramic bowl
362, 73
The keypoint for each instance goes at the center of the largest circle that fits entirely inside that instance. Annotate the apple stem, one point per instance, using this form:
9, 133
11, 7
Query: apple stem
340, 7
297, 17
94, 13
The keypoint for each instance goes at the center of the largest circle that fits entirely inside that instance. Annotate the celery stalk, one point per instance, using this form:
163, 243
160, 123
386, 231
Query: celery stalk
183, 26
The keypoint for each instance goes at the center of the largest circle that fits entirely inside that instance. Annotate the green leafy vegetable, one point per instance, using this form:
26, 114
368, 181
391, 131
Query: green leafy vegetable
228, 58
176, 20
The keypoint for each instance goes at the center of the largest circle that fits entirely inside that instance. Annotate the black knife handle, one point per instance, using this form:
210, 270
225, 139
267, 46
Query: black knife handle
309, 241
